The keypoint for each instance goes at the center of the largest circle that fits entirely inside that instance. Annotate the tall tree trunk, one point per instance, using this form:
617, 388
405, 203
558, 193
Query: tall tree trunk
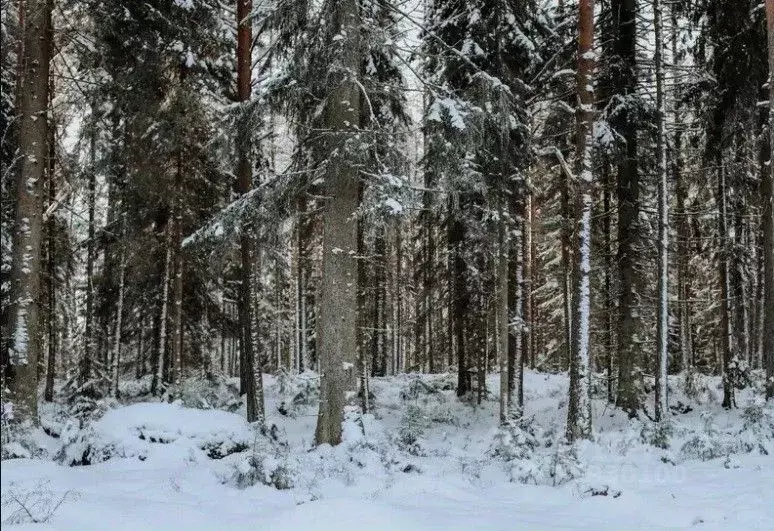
337, 334
516, 347
526, 328
608, 282
157, 384
459, 300
503, 318
91, 252
768, 223
725, 286
683, 221
662, 318
53, 344
176, 318
248, 367
567, 266
25, 330
119, 312
630, 329
579, 408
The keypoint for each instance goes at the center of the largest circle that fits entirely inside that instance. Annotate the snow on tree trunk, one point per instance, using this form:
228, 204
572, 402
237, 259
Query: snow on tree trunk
26, 333
503, 318
579, 410
725, 287
768, 222
662, 325
337, 321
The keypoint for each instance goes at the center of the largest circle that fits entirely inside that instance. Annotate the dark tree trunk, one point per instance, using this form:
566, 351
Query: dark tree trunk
630, 322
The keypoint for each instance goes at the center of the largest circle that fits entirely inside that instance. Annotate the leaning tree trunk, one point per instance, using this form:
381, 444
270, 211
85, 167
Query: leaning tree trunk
25, 331
768, 223
662, 324
337, 334
579, 410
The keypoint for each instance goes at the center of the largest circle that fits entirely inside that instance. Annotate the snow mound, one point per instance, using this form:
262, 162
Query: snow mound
139, 430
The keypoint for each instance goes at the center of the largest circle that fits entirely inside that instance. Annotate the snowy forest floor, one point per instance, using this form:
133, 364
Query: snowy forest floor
422, 460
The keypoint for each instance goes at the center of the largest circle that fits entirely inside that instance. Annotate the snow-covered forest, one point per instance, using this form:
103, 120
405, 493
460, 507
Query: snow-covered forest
387, 264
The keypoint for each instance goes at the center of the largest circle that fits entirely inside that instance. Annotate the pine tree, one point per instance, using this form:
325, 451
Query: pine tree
579, 410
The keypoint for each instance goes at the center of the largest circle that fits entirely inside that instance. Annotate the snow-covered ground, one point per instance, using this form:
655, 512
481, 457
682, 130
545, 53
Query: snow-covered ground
421, 461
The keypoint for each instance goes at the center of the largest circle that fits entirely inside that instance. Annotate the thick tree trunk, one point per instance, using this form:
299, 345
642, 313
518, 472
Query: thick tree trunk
337, 334
579, 407
630, 322
21, 377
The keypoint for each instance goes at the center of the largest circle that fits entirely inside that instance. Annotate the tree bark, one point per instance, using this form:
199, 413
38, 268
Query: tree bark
337, 334
249, 369
25, 329
630, 328
662, 318
53, 343
725, 287
579, 407
768, 223
503, 318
